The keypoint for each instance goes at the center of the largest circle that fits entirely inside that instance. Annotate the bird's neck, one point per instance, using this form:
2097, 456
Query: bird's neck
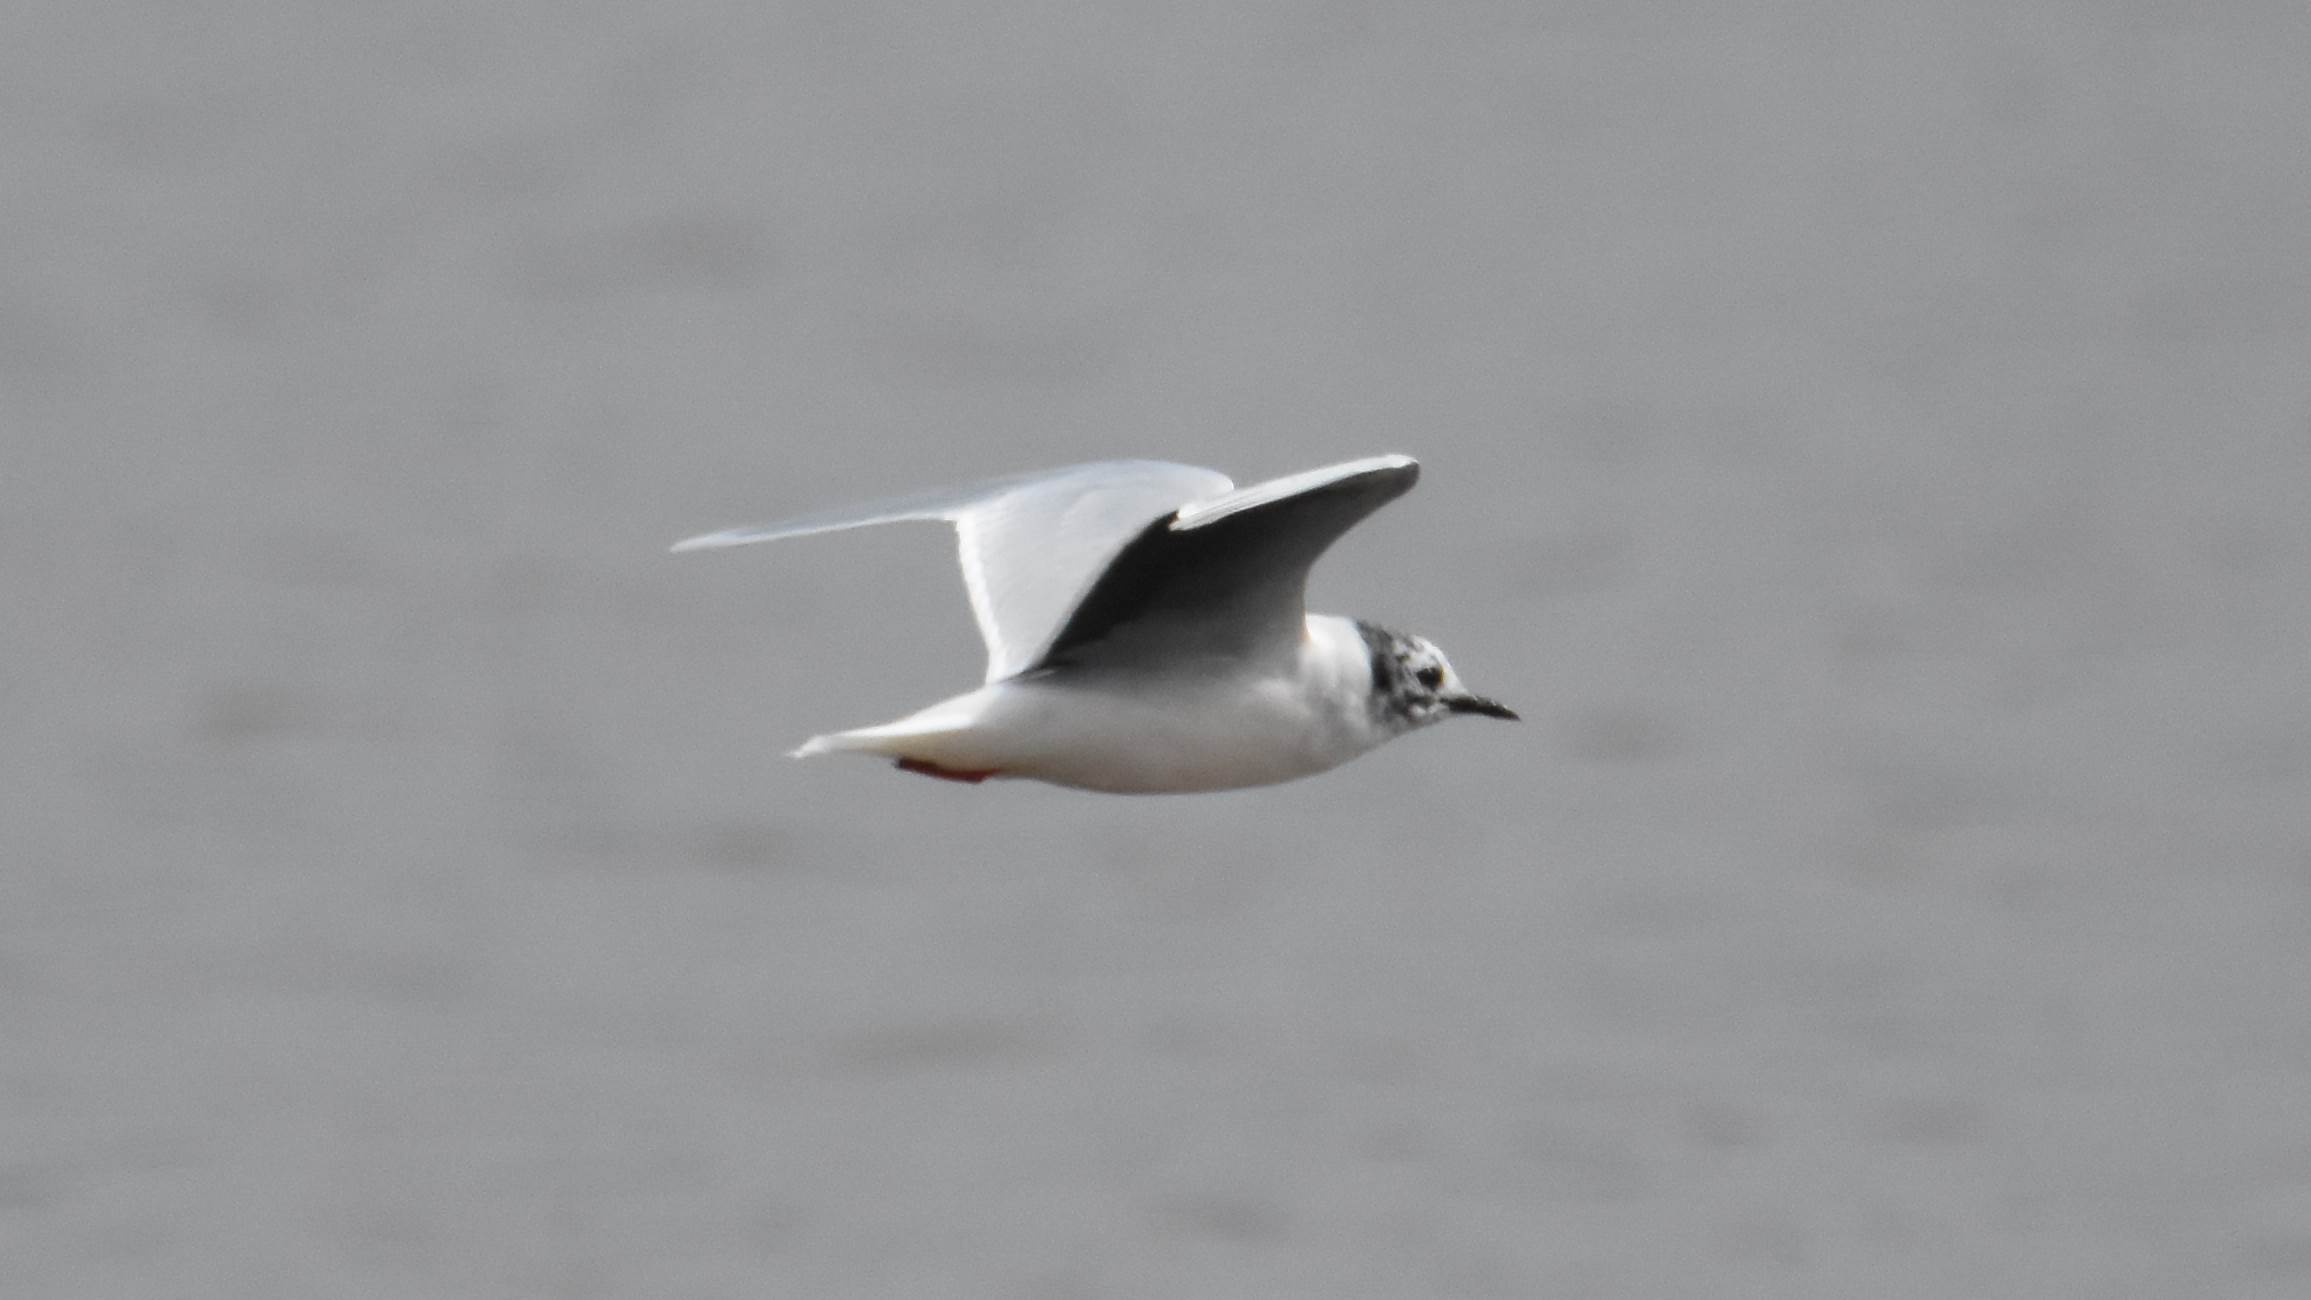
1337, 665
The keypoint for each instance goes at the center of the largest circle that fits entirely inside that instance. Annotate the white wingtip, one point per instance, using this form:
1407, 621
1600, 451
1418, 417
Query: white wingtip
705, 542
814, 745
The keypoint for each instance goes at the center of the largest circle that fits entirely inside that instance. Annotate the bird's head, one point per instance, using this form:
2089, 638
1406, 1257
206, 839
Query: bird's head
1413, 684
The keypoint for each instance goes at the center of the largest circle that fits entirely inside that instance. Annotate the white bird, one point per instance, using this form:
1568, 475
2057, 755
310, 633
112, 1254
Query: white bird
1146, 631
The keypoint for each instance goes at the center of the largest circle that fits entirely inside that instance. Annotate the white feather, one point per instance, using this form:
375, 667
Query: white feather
1030, 545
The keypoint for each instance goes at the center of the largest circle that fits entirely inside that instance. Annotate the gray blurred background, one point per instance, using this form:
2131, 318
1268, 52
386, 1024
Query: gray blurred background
1870, 443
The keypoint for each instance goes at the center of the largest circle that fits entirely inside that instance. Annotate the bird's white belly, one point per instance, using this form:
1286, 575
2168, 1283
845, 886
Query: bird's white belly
1248, 733
1226, 726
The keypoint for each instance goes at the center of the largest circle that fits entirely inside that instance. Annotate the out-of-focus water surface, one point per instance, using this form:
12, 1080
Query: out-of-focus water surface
1871, 446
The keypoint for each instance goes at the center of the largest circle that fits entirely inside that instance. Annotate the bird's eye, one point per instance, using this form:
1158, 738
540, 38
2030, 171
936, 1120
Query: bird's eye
1430, 677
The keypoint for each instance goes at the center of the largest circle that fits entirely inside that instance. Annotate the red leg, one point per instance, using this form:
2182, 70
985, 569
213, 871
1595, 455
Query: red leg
943, 773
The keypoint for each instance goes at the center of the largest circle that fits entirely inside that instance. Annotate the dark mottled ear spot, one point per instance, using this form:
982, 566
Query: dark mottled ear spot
1381, 645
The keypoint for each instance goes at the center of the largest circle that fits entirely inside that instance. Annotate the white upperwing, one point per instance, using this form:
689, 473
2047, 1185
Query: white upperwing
1030, 545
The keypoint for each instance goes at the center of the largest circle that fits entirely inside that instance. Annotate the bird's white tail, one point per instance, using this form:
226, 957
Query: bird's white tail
865, 740
939, 733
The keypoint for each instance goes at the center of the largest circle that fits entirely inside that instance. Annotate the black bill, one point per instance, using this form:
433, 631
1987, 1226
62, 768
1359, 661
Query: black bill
1479, 704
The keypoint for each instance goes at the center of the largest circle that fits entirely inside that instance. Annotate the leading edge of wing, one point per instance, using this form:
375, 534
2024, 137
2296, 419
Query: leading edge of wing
943, 505
1403, 471
937, 505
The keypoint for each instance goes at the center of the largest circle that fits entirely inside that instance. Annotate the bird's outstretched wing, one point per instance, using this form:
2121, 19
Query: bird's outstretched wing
1031, 545
1225, 576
